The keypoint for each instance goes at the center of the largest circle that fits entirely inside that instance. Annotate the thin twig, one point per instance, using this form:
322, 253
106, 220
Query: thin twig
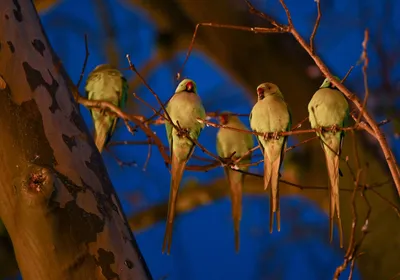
365, 59
148, 157
276, 29
133, 68
314, 32
347, 74
84, 62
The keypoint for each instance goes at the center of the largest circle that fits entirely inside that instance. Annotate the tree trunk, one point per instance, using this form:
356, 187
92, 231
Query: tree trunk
57, 201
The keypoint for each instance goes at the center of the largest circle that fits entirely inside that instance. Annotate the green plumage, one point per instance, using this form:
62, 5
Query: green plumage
228, 142
184, 108
271, 115
329, 108
108, 84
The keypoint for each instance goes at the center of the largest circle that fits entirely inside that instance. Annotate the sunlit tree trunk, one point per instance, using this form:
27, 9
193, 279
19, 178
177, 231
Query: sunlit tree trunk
56, 199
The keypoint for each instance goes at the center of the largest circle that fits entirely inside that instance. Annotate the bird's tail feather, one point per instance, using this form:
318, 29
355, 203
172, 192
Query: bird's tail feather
101, 133
267, 171
274, 205
236, 180
177, 168
332, 163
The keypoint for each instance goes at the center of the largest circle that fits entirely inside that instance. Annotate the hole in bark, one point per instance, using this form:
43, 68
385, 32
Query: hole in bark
129, 264
36, 181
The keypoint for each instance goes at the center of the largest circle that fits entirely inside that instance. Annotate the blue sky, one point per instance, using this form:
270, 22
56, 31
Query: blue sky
203, 239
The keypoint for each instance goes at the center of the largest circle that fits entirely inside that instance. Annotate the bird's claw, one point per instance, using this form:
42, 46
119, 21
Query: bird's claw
183, 132
334, 128
273, 135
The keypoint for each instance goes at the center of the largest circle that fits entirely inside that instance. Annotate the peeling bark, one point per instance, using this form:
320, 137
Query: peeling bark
57, 201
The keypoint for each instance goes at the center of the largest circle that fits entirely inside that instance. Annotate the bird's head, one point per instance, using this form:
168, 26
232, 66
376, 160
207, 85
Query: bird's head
105, 69
223, 118
266, 89
187, 85
328, 84
226, 117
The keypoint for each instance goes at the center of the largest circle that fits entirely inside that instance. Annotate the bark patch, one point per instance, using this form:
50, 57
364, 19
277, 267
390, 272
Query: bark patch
11, 46
105, 260
77, 121
39, 46
17, 11
69, 141
100, 171
35, 79
25, 126
80, 225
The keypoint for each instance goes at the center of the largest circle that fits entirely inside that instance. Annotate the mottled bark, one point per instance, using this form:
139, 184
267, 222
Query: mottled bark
254, 58
57, 201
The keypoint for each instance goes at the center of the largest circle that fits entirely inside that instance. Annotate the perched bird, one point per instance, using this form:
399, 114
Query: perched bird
329, 108
184, 108
107, 84
229, 142
271, 115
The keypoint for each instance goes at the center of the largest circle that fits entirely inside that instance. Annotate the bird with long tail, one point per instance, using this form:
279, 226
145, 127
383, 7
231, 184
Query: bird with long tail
271, 115
328, 108
231, 142
184, 108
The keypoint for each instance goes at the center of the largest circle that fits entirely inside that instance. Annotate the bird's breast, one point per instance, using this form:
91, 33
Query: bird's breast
185, 108
269, 115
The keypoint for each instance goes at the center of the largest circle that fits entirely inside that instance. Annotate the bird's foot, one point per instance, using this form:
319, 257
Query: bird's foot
266, 135
183, 132
334, 128
275, 135
102, 111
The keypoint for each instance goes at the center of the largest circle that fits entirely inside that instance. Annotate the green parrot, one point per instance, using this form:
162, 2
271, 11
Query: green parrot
108, 84
329, 108
184, 108
271, 114
228, 142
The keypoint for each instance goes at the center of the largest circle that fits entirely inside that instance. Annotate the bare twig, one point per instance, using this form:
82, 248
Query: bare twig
120, 162
148, 157
285, 133
314, 32
84, 62
133, 68
347, 74
276, 29
365, 59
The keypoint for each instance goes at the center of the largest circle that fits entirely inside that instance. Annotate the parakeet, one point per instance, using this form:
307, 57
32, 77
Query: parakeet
271, 114
228, 142
184, 108
108, 84
329, 108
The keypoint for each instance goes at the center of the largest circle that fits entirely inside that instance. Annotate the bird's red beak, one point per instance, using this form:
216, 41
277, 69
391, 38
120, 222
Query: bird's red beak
260, 91
189, 86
